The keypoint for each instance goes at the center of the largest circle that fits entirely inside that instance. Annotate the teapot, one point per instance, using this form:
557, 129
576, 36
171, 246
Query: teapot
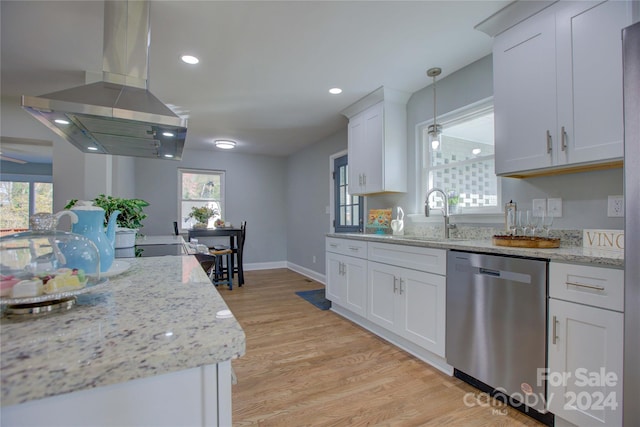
91, 225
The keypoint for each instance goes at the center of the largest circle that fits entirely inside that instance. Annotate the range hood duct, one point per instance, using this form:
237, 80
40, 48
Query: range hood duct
117, 115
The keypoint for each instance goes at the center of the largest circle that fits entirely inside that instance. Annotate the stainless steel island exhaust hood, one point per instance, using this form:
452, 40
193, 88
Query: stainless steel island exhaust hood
117, 115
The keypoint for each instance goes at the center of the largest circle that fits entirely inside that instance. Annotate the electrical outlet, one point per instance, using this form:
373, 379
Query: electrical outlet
615, 206
539, 206
554, 207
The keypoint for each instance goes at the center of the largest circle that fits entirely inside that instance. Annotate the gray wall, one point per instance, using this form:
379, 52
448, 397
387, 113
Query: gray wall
584, 195
255, 191
308, 184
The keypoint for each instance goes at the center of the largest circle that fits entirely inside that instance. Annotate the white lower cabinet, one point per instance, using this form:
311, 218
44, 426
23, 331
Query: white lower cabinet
347, 282
408, 302
585, 348
346, 272
396, 291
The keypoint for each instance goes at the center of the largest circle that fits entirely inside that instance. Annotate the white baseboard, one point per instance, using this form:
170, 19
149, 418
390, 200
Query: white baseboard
307, 272
265, 265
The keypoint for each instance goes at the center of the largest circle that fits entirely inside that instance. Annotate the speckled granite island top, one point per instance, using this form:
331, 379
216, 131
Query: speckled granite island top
157, 317
571, 254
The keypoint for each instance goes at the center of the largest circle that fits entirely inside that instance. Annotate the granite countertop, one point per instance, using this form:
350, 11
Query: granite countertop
573, 254
157, 317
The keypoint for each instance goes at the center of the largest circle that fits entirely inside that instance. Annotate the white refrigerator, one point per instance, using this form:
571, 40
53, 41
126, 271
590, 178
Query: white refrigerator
631, 375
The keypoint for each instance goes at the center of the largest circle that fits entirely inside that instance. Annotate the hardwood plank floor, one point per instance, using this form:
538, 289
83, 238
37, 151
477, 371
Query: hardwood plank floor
308, 367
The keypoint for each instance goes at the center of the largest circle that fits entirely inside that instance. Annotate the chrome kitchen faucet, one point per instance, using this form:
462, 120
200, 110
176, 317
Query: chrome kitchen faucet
445, 210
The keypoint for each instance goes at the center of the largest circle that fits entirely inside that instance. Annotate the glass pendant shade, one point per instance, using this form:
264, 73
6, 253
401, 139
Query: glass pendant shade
435, 133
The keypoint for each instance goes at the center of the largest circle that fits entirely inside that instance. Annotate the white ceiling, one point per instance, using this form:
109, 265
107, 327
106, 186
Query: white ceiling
265, 66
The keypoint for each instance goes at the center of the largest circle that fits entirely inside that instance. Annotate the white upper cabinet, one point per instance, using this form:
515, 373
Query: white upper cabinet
558, 89
377, 143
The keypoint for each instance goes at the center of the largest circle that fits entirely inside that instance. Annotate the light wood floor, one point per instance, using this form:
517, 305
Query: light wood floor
308, 367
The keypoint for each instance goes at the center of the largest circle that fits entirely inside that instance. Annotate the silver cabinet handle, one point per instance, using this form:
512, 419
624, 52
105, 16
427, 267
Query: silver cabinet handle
549, 142
554, 333
395, 284
401, 281
563, 139
583, 285
354, 248
333, 245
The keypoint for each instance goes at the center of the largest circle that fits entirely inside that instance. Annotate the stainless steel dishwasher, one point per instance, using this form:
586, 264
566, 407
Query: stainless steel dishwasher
496, 324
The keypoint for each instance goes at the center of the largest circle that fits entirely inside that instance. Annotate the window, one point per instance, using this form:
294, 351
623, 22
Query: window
19, 200
200, 188
463, 166
348, 213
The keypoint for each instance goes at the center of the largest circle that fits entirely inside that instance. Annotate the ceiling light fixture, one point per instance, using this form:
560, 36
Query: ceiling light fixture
476, 151
335, 91
61, 121
190, 59
168, 134
434, 130
92, 148
225, 144
169, 156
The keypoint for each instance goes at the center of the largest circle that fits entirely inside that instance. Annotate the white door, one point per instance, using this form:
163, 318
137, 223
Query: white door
524, 83
355, 298
585, 364
336, 288
383, 285
589, 56
423, 317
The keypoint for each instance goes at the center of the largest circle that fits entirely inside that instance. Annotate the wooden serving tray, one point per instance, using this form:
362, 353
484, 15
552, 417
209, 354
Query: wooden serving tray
526, 242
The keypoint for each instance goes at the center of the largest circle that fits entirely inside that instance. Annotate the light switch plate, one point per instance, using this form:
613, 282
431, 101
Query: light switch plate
539, 206
615, 206
554, 207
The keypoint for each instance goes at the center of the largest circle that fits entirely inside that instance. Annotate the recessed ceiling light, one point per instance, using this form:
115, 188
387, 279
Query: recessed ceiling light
189, 59
61, 121
476, 151
92, 148
169, 156
168, 134
335, 91
225, 144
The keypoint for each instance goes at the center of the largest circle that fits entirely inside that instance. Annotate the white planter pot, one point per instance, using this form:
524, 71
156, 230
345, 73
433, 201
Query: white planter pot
125, 238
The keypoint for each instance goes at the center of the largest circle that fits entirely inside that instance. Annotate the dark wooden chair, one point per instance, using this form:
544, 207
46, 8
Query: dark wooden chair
237, 253
215, 264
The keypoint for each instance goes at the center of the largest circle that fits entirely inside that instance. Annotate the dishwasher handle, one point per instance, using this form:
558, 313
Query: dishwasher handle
488, 272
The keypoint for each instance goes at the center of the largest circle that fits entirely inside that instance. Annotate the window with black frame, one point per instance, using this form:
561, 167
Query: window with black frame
348, 215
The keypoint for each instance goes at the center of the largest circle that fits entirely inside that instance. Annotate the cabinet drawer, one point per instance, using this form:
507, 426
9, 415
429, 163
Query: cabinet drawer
423, 259
355, 248
596, 286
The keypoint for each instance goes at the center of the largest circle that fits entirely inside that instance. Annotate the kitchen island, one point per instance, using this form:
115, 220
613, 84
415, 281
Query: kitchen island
149, 348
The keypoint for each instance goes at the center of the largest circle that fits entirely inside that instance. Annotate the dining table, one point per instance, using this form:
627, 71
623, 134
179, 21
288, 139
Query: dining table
234, 235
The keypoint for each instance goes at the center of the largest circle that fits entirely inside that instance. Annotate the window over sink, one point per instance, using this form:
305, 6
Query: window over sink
463, 165
200, 188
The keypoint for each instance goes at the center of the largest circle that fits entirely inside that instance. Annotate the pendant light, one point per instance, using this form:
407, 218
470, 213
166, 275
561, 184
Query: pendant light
434, 130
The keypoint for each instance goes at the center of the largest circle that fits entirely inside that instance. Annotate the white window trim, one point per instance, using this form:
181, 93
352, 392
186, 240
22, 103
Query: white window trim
470, 215
223, 191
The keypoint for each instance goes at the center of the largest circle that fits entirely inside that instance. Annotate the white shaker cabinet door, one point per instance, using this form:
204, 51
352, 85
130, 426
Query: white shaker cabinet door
423, 317
589, 55
347, 282
524, 79
585, 352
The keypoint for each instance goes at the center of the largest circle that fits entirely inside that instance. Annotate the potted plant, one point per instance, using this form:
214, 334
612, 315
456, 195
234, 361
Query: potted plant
453, 200
202, 214
129, 220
